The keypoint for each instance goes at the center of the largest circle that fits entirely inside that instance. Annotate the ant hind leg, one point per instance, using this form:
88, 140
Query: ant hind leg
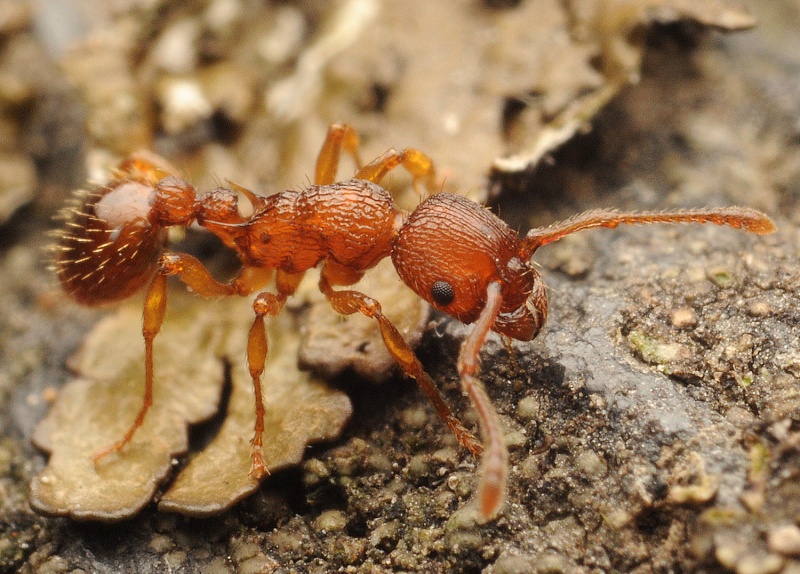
195, 275
155, 305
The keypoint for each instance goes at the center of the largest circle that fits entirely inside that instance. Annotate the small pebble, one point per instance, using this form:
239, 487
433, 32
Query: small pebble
515, 440
683, 318
183, 104
161, 544
529, 409
331, 521
759, 308
720, 277
785, 540
759, 564
514, 564
419, 466
414, 418
591, 464
175, 50
385, 535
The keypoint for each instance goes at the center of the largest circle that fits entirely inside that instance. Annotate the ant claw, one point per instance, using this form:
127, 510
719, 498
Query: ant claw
116, 447
258, 469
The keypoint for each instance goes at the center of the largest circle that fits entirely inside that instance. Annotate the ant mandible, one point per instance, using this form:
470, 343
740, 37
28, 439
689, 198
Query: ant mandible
451, 251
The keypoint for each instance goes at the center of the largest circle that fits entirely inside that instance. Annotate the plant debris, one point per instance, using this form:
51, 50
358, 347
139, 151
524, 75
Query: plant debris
198, 338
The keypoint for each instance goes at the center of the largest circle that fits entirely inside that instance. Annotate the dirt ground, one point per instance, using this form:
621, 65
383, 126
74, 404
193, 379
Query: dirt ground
653, 426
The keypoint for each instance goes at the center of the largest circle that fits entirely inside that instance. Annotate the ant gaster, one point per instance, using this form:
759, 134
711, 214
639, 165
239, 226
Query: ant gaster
451, 251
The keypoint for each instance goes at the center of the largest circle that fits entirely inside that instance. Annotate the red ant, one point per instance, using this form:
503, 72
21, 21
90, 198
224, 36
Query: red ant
451, 251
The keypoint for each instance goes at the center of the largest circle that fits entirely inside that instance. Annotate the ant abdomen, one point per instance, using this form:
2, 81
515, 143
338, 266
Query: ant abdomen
108, 249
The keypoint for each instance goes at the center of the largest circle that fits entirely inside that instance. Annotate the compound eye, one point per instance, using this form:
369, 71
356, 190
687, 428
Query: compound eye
442, 293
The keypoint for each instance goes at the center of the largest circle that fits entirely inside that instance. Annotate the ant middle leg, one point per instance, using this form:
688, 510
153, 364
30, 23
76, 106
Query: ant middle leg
347, 302
340, 136
265, 305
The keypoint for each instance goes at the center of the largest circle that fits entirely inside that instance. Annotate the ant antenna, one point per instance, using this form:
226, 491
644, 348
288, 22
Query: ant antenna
736, 217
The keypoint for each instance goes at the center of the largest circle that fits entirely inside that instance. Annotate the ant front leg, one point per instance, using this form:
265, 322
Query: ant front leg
419, 165
265, 305
347, 302
494, 465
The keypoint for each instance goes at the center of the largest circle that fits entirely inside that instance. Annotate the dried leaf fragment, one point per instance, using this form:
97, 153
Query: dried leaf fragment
608, 31
95, 410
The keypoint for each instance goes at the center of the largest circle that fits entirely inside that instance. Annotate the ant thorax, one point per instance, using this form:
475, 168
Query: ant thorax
352, 223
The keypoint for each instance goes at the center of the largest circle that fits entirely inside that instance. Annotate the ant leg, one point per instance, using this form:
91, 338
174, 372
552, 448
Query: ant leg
494, 465
197, 277
155, 305
194, 274
737, 217
146, 165
343, 136
265, 305
419, 165
347, 302
339, 136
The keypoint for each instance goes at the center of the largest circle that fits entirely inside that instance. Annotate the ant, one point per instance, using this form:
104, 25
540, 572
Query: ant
453, 252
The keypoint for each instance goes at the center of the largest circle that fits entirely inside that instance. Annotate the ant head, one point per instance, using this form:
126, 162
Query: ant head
451, 249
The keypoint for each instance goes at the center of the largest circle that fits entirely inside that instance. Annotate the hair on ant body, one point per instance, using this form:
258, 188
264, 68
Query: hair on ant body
453, 252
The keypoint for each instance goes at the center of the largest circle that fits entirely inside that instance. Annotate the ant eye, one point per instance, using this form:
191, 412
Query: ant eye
442, 293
